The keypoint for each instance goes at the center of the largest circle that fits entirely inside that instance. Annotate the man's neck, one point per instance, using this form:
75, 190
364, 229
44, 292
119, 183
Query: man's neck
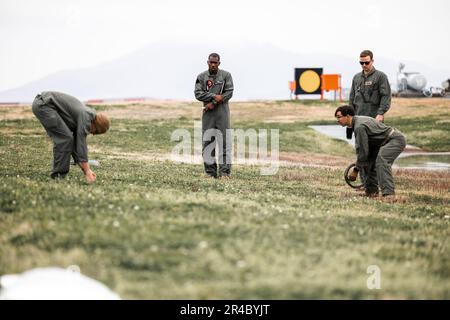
350, 122
367, 72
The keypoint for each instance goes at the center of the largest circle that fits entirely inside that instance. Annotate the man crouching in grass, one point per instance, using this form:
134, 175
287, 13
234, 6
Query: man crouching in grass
377, 147
68, 121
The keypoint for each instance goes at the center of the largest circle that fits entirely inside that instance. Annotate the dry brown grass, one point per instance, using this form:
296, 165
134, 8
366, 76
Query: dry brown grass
15, 112
315, 160
423, 182
21, 131
266, 111
405, 107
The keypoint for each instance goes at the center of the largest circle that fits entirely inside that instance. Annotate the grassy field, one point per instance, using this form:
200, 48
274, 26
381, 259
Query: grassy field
154, 229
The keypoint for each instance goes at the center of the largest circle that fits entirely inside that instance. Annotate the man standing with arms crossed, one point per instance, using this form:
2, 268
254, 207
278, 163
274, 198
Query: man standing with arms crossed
214, 88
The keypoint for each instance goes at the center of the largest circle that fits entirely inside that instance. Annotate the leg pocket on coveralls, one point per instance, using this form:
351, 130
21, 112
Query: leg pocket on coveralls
52, 121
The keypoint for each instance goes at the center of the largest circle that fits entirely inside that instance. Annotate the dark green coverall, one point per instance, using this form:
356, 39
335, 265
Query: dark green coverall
370, 94
67, 121
207, 86
377, 146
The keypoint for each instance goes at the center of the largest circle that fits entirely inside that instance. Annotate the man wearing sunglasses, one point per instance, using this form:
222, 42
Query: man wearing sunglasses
370, 94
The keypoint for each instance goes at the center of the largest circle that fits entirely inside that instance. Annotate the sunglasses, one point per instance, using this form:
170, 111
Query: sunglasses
365, 62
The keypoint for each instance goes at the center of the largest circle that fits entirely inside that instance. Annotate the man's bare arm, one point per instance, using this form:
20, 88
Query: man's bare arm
90, 175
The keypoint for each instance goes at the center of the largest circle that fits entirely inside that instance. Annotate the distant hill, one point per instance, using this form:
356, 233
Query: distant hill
167, 70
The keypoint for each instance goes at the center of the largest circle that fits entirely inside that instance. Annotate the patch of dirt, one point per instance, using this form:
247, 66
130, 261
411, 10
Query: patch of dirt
136, 156
285, 159
282, 112
394, 199
155, 110
315, 160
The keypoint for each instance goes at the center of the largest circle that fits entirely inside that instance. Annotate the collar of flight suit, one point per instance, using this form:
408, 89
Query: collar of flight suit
369, 74
353, 122
212, 75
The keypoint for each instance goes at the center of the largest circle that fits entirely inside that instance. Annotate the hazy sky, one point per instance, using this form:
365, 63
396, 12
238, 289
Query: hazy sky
41, 37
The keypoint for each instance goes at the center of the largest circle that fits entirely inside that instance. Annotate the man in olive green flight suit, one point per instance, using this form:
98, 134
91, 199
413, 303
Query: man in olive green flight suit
370, 94
214, 88
370, 135
68, 121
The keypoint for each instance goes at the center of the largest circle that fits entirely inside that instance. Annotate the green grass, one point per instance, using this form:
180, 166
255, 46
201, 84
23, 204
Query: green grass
298, 137
156, 230
429, 132
415, 161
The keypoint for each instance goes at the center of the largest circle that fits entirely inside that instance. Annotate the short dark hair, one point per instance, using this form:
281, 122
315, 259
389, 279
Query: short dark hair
214, 55
345, 111
366, 53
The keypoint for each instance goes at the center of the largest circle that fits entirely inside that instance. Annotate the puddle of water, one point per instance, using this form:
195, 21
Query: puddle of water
430, 162
334, 131
422, 160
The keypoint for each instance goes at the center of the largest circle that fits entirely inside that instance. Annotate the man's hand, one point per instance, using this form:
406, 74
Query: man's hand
209, 106
380, 117
90, 176
218, 98
353, 174
88, 173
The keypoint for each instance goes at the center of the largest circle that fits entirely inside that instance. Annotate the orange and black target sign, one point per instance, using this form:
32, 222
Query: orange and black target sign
308, 80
